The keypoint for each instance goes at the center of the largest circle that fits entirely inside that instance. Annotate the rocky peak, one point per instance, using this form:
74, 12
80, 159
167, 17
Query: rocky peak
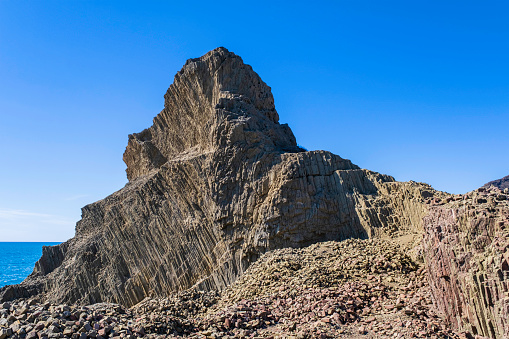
216, 182
215, 101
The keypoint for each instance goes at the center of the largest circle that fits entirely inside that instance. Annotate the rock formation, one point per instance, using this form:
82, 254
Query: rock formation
466, 247
502, 183
214, 183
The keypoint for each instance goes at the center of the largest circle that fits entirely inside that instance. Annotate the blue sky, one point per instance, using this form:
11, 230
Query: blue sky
415, 89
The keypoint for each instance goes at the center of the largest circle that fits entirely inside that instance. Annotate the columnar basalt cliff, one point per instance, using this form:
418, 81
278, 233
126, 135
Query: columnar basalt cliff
214, 183
466, 247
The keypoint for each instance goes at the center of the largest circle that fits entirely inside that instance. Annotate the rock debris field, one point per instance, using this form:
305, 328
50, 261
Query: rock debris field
353, 288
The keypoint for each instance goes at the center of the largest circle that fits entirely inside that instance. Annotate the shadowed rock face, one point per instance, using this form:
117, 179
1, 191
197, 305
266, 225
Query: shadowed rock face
502, 183
215, 182
466, 247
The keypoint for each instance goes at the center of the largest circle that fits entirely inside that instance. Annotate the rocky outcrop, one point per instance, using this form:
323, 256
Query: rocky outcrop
502, 183
214, 183
466, 247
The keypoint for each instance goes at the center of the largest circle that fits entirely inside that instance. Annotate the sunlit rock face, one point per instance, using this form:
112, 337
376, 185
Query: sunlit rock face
215, 182
466, 247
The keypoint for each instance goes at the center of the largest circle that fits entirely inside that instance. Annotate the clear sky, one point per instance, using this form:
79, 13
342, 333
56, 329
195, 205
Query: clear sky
415, 89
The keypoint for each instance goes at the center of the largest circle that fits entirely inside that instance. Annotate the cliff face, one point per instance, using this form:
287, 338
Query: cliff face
215, 182
466, 247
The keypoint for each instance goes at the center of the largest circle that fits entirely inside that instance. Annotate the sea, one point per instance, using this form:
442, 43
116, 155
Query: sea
17, 260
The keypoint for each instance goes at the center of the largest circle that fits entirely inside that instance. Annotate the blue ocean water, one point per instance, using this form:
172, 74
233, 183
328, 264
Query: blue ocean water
17, 260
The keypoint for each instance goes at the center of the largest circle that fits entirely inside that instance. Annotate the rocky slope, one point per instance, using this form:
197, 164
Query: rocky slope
466, 247
502, 183
346, 289
214, 183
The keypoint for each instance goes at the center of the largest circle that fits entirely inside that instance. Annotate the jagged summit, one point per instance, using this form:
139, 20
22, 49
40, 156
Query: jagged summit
215, 101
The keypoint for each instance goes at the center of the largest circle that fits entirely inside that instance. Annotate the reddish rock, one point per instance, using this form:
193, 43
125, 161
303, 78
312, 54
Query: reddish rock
227, 323
466, 252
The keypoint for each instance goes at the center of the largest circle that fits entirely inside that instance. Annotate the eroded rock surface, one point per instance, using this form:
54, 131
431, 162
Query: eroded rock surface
466, 247
214, 183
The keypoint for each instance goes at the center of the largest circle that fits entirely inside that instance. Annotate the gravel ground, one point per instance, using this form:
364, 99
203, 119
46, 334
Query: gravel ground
348, 289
